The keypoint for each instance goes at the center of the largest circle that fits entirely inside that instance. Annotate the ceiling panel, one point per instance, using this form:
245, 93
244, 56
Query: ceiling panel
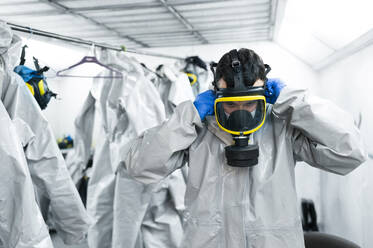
159, 24
13, 2
100, 3
186, 36
135, 18
236, 31
52, 19
97, 11
146, 23
174, 44
14, 9
318, 31
303, 44
222, 4
162, 35
229, 11
214, 17
232, 24
235, 36
230, 41
226, 19
171, 40
350, 19
149, 30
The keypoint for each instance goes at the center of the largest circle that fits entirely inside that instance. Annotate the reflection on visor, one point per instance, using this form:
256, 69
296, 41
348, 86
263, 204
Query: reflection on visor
230, 107
242, 116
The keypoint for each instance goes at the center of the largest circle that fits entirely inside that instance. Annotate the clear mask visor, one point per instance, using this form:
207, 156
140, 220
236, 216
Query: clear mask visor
240, 115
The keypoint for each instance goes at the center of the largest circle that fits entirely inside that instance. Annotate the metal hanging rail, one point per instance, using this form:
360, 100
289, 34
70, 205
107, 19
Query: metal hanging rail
75, 40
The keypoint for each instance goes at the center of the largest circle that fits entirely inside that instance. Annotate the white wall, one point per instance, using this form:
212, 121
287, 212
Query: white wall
347, 202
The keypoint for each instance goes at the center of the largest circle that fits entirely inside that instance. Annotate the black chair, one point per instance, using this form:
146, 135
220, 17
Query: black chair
309, 216
323, 240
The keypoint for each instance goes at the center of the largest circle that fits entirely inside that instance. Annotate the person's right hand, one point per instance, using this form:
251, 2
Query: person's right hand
204, 103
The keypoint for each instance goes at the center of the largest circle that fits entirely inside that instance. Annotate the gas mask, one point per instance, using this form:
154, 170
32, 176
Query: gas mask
240, 111
196, 70
192, 77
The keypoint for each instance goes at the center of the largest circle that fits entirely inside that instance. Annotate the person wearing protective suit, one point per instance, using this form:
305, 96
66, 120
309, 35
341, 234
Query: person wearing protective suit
241, 186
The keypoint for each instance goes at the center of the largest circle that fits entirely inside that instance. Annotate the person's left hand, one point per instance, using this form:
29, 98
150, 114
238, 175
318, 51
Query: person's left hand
273, 89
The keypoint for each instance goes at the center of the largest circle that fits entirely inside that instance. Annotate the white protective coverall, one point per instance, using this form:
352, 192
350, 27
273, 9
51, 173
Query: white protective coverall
78, 157
151, 216
21, 222
46, 164
256, 206
174, 87
126, 108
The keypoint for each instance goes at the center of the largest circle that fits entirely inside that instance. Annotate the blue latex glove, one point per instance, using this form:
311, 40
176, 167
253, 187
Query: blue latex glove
204, 103
273, 89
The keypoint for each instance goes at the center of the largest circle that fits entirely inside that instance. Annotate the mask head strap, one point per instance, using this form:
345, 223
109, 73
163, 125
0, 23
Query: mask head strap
237, 70
213, 65
267, 69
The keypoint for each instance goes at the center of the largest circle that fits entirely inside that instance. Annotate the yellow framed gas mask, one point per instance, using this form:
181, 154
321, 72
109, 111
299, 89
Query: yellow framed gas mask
240, 111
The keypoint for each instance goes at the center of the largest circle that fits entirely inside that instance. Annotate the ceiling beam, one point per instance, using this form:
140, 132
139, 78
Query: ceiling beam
183, 21
277, 15
355, 46
65, 9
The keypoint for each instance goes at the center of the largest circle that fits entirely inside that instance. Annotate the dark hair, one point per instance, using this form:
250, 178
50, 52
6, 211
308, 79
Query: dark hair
252, 68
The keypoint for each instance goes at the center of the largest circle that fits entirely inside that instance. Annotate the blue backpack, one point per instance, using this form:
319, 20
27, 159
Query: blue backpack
35, 80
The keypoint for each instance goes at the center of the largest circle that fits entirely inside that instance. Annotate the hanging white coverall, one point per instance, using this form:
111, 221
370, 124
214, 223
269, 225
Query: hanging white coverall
21, 222
126, 107
46, 164
252, 207
150, 217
